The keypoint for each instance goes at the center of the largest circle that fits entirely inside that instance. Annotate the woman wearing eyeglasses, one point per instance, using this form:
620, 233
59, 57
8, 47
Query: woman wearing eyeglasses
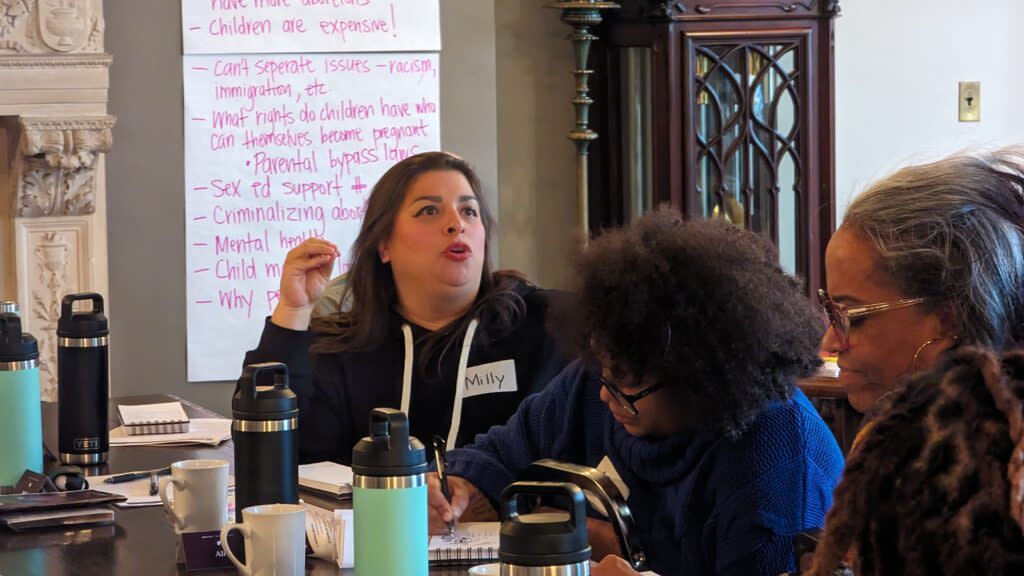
695, 337
927, 259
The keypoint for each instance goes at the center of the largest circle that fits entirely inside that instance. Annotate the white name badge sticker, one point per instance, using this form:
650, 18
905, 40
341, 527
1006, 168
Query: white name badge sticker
490, 378
609, 470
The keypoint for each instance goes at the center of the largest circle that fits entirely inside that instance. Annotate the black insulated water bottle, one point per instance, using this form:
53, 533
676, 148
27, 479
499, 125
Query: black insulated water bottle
546, 543
82, 381
265, 431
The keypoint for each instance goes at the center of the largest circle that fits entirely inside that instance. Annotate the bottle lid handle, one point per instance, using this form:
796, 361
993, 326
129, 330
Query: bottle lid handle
510, 499
67, 303
391, 425
10, 328
247, 383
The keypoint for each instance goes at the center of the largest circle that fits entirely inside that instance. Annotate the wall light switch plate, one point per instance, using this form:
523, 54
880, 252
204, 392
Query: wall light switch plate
970, 101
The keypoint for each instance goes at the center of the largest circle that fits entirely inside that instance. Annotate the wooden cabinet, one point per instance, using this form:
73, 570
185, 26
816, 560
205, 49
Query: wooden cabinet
721, 108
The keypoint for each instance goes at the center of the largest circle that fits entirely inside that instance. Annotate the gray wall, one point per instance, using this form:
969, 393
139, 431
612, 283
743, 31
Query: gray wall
536, 170
145, 171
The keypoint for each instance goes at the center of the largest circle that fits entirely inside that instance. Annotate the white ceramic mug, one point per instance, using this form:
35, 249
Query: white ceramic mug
200, 495
275, 540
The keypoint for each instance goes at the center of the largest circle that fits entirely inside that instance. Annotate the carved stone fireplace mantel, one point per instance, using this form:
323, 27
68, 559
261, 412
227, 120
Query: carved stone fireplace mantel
54, 133
59, 158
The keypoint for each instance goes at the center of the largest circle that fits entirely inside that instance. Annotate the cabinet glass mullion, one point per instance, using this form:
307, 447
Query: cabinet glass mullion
747, 122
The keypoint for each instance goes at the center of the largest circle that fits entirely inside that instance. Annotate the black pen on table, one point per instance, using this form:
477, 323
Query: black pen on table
154, 485
129, 476
442, 475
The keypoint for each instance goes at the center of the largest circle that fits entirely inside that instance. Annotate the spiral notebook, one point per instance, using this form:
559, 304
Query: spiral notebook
164, 418
473, 543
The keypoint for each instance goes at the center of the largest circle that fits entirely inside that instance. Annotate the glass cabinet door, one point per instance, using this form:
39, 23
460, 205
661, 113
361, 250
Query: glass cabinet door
746, 115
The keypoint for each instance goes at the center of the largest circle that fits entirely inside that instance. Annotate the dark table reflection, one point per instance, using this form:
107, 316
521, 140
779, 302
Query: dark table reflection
142, 541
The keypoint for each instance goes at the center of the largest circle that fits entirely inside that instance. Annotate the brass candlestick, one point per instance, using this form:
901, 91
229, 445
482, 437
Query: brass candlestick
582, 15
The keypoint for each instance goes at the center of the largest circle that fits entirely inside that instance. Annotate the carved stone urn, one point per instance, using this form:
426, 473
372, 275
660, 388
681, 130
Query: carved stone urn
64, 23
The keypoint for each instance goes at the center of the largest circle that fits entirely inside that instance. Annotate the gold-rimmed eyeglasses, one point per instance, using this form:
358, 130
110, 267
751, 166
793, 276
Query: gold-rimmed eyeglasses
839, 315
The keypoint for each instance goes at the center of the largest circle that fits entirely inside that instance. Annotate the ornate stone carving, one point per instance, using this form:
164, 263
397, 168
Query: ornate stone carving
34, 26
64, 25
37, 190
95, 41
54, 62
51, 255
66, 142
12, 13
58, 166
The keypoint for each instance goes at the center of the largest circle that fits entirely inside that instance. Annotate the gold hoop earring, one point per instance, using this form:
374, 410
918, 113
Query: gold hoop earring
925, 345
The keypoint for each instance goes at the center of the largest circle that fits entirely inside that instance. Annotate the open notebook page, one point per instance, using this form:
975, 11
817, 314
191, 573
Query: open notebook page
473, 542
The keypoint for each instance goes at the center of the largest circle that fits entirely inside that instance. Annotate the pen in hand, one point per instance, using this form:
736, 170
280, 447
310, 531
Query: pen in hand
439, 459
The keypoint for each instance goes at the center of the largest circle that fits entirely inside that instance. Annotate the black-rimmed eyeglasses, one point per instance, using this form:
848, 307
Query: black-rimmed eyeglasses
628, 401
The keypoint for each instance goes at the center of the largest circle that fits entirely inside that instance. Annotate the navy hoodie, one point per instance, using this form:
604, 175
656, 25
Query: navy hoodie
702, 503
336, 392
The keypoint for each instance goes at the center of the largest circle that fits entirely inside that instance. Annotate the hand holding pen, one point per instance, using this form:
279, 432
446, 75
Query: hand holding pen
439, 460
464, 501
468, 504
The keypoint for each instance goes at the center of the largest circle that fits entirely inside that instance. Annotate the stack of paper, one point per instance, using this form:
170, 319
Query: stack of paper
211, 431
327, 478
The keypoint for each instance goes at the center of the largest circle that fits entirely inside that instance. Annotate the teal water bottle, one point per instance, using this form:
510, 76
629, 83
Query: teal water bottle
389, 499
21, 423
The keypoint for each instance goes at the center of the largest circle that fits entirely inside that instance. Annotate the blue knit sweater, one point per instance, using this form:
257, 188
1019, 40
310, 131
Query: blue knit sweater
702, 504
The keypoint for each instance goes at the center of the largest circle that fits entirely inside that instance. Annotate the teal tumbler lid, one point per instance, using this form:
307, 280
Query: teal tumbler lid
15, 345
389, 450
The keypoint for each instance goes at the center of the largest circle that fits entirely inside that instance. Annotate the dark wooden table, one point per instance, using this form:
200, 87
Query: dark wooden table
830, 400
141, 541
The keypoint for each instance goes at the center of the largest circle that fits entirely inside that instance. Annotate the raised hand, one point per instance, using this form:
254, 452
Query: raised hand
304, 276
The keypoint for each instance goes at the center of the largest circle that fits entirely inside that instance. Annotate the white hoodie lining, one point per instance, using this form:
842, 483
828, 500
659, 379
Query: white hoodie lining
460, 380
407, 369
467, 343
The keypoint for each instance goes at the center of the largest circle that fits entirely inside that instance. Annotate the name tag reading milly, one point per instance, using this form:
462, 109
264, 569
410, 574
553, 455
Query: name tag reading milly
490, 378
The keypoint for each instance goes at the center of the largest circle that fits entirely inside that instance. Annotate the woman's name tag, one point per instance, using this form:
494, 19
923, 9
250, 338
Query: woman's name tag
490, 378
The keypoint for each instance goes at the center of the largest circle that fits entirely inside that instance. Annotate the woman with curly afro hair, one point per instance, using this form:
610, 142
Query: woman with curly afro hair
937, 485
693, 339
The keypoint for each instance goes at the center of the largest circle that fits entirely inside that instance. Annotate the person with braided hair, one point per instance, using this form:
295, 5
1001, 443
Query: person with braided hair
927, 259
937, 484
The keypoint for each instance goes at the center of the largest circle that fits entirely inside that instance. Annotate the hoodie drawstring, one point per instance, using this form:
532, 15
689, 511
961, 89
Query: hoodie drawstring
407, 370
460, 385
467, 343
